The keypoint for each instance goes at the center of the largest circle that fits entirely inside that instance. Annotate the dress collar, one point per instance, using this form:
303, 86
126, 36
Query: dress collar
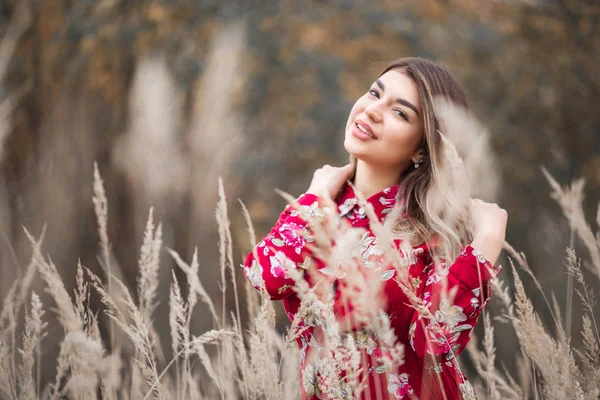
383, 202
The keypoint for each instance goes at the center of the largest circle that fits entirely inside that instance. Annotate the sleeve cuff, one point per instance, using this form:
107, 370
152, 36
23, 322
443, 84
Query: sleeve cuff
488, 270
308, 199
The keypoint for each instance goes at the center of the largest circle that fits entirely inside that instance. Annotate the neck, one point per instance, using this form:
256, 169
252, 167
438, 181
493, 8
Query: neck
370, 179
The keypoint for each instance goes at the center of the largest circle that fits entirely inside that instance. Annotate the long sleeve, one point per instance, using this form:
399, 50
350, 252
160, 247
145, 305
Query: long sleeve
284, 248
447, 337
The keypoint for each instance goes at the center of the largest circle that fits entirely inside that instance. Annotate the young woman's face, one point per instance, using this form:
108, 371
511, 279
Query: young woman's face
385, 126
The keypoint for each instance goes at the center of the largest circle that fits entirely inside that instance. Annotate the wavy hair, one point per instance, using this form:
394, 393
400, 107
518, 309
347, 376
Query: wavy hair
433, 200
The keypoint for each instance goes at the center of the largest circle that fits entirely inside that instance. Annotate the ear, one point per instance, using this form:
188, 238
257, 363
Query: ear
418, 155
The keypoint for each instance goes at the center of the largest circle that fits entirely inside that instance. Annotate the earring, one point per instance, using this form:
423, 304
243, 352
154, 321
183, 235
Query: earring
417, 165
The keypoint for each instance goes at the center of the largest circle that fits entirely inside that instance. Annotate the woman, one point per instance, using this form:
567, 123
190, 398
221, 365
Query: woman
395, 141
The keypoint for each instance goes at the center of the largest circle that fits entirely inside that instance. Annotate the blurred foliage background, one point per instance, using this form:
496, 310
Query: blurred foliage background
169, 95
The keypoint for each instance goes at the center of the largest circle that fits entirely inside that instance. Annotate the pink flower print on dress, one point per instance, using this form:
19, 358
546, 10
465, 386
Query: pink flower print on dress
436, 273
427, 298
292, 236
280, 264
443, 340
399, 387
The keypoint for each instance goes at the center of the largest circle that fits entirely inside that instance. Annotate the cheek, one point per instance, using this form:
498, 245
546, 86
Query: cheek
402, 140
356, 109
404, 134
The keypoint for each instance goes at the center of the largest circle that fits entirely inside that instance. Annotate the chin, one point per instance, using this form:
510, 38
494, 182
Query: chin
354, 149
360, 155
349, 148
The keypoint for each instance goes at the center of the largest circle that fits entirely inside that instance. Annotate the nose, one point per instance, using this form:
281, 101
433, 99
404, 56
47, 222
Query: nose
373, 112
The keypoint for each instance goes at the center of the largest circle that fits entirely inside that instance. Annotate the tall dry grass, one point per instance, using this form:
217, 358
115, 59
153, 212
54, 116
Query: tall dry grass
255, 361
243, 355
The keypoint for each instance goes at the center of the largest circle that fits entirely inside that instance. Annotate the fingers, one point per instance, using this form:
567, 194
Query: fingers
332, 171
478, 203
329, 179
342, 173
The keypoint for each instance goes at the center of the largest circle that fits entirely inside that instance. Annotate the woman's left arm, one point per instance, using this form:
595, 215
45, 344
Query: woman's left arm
455, 296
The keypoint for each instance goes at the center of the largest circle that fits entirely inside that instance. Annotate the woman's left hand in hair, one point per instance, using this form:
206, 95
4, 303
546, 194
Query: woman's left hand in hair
489, 228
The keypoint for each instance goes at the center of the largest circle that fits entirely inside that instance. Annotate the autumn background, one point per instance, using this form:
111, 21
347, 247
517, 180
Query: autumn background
167, 96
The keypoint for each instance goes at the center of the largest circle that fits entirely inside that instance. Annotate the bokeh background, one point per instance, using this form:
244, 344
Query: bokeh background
168, 96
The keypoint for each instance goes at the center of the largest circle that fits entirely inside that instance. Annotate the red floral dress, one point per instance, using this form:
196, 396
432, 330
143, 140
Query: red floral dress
429, 370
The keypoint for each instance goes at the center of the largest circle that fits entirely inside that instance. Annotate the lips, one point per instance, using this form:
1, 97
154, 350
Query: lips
365, 128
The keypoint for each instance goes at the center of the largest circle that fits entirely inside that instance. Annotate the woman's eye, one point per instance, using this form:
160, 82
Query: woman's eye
401, 114
374, 92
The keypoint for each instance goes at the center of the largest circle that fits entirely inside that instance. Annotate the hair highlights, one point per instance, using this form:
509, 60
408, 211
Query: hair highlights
433, 200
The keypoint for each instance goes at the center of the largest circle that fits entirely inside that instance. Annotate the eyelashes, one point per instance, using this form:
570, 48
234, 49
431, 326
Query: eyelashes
401, 114
398, 112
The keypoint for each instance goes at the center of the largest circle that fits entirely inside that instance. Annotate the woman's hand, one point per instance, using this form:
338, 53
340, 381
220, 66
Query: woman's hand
489, 228
328, 180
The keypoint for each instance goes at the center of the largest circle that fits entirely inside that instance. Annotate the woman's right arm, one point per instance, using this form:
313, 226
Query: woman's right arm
284, 248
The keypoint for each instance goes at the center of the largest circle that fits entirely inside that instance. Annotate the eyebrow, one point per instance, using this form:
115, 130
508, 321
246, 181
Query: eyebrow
399, 100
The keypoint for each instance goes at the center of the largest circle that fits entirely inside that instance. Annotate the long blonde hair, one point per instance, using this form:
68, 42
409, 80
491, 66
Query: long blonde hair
432, 202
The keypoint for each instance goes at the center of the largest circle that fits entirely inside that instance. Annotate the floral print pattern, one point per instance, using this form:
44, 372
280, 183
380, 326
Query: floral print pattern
436, 274
312, 314
280, 263
310, 382
293, 237
370, 252
342, 391
254, 273
467, 391
430, 344
347, 206
449, 314
399, 386
308, 212
363, 339
442, 340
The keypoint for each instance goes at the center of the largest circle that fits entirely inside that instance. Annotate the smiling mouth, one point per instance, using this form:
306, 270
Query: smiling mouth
365, 131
